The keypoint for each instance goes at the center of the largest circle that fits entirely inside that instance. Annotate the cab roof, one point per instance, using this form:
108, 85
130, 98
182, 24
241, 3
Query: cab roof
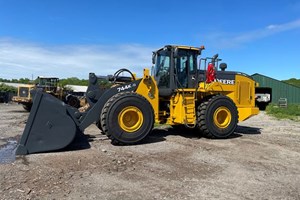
47, 77
182, 47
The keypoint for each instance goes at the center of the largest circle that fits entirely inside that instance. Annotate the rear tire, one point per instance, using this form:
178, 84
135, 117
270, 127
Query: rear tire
127, 118
217, 117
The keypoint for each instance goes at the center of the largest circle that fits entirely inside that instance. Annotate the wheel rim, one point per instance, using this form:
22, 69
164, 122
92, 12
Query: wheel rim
130, 119
222, 117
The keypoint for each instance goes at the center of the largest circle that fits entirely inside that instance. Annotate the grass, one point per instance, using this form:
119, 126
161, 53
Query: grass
292, 112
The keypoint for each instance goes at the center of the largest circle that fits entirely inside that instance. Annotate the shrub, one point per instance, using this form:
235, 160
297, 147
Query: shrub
292, 111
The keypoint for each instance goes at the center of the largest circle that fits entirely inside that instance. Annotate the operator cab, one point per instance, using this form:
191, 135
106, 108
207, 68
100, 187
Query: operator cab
48, 84
175, 68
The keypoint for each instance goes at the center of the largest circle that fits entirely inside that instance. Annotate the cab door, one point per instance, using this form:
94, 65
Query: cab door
186, 70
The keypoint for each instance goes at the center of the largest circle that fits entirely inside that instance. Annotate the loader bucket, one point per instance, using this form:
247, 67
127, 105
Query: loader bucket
49, 126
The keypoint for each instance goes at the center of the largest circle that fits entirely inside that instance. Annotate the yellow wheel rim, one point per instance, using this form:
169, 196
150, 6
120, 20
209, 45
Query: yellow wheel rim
222, 117
130, 119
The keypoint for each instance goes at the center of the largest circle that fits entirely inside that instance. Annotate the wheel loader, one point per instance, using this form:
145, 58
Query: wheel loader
180, 91
23, 96
48, 85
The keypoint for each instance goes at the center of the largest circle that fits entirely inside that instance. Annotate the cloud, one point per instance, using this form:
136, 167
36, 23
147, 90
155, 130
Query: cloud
20, 59
229, 40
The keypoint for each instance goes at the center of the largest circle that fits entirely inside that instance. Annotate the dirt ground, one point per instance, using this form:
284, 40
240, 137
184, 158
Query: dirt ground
260, 161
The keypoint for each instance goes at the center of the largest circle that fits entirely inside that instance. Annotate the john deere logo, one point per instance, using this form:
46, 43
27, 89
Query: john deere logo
226, 81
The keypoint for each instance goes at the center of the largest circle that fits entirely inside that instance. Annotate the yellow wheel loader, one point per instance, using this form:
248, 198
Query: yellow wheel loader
48, 85
179, 92
24, 97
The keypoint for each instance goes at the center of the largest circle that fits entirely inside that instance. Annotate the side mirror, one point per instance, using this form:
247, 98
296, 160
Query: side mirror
153, 57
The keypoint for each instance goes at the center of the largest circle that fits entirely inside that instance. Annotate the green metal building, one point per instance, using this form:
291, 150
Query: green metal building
279, 89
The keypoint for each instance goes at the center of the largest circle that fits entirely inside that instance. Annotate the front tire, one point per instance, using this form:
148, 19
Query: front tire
98, 124
127, 118
27, 107
217, 117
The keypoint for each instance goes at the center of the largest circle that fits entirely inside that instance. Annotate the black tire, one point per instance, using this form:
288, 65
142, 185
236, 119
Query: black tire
73, 101
127, 118
217, 117
27, 107
98, 124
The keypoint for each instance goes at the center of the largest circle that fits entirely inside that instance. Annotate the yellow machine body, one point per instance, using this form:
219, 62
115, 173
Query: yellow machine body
183, 102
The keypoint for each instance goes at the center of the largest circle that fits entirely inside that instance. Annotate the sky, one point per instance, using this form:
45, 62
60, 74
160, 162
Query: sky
71, 38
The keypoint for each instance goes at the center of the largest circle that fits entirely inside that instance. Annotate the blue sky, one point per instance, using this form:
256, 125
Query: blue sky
70, 38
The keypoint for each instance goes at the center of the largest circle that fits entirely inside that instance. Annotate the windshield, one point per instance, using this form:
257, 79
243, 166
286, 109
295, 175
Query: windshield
162, 68
51, 82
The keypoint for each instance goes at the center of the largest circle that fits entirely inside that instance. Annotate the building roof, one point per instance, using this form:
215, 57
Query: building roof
257, 74
77, 88
280, 89
16, 85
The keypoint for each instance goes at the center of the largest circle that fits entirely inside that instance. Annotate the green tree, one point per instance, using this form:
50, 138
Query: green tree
6, 88
21, 80
24, 80
293, 81
74, 81
4, 80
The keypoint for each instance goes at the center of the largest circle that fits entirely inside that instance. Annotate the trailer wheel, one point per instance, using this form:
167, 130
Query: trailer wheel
217, 117
127, 118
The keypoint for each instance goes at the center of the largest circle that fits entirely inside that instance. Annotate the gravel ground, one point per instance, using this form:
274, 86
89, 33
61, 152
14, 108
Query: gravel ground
260, 161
